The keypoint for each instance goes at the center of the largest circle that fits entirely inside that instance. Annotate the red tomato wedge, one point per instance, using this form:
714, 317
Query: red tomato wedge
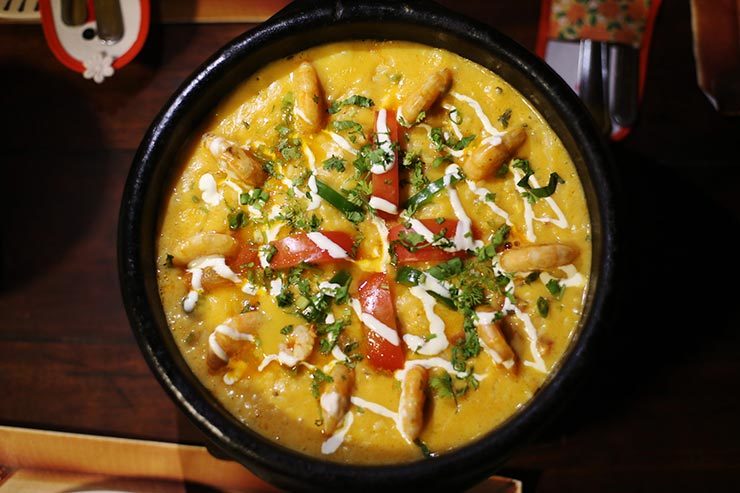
376, 300
246, 258
428, 252
386, 185
297, 248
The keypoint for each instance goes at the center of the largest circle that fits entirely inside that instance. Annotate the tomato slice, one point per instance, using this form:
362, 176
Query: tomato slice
428, 252
246, 258
376, 299
297, 248
386, 185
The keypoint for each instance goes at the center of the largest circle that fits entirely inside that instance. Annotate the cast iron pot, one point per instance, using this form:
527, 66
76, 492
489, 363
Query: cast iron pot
300, 26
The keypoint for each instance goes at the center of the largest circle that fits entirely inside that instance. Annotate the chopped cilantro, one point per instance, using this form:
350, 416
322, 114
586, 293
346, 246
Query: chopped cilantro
237, 220
335, 163
446, 270
556, 289
543, 306
317, 378
354, 100
286, 330
505, 117
168, 260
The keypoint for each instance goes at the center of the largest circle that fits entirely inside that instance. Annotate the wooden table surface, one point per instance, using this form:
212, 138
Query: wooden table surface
658, 413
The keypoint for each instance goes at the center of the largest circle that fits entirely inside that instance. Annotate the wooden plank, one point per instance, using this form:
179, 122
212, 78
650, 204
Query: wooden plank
106, 456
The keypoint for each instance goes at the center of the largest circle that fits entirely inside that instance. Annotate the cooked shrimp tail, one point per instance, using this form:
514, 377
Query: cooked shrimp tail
423, 97
411, 406
538, 257
335, 400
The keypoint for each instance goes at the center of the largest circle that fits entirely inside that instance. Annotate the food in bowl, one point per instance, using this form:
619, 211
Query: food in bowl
358, 259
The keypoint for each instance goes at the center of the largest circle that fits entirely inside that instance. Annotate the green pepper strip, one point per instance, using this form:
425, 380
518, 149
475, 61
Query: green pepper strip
336, 199
425, 194
408, 276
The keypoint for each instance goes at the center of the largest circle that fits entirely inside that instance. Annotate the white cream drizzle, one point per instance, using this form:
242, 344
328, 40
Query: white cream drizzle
455, 128
190, 300
323, 242
276, 287
300, 114
374, 324
313, 188
284, 359
438, 342
382, 134
250, 289
331, 444
529, 328
216, 347
375, 408
209, 190
435, 362
383, 205
487, 126
329, 289
218, 264
560, 221
482, 193
463, 233
342, 142
573, 279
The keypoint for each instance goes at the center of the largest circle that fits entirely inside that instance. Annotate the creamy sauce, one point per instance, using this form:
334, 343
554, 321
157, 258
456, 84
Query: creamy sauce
276, 400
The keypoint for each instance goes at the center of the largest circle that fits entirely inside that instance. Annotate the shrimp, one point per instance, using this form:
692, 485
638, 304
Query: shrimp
309, 104
424, 96
234, 160
202, 244
493, 338
538, 257
226, 339
411, 406
336, 399
487, 158
298, 346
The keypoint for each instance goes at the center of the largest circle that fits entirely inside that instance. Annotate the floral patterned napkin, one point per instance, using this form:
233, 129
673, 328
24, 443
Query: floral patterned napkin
618, 21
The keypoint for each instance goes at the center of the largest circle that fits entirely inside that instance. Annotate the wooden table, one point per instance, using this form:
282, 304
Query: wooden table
659, 412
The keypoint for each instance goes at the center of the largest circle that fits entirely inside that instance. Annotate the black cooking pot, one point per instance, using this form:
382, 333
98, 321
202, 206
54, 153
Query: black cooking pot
300, 26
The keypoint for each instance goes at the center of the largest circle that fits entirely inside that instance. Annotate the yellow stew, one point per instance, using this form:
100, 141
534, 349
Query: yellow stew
374, 252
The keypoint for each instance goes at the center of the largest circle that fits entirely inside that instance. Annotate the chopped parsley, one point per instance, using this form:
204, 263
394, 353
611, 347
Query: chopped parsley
556, 289
288, 329
448, 269
270, 251
352, 128
543, 306
355, 100
317, 378
335, 163
504, 118
330, 334
237, 220
256, 197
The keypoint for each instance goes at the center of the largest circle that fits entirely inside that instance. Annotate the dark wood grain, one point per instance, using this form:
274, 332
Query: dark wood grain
657, 413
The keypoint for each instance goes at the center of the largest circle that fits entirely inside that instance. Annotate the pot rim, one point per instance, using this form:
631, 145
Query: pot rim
265, 457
